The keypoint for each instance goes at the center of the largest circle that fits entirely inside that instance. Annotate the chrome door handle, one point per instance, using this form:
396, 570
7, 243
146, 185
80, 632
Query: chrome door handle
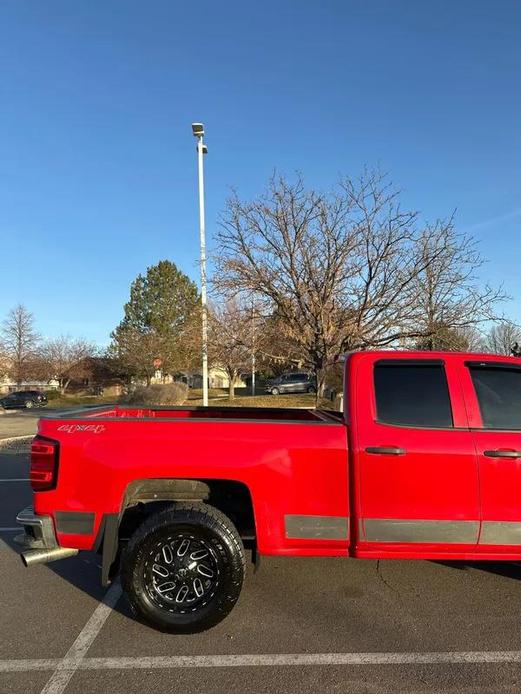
498, 453
385, 450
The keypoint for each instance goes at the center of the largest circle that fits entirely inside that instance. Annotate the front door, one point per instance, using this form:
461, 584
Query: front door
494, 403
418, 473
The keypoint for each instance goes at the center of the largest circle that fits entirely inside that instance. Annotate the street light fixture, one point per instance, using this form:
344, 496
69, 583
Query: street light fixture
198, 131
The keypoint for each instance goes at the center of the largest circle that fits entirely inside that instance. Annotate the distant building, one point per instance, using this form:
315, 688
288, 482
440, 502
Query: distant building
7, 385
217, 378
95, 374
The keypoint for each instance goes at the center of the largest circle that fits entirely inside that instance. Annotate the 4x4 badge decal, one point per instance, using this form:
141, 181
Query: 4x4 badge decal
75, 428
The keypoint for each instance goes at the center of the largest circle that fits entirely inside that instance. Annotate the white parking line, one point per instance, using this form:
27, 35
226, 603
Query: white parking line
29, 664
16, 479
70, 664
11, 530
298, 659
76, 653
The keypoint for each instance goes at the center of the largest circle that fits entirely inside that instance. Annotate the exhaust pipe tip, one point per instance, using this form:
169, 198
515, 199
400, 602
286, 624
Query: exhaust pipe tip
44, 556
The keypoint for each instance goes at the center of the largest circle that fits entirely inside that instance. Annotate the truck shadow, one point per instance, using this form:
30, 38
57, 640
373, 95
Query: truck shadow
83, 572
508, 569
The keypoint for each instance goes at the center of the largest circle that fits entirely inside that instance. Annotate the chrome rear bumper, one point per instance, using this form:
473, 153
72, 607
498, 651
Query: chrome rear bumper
39, 540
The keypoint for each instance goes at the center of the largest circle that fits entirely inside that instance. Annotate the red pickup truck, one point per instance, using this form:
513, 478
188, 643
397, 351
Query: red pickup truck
424, 462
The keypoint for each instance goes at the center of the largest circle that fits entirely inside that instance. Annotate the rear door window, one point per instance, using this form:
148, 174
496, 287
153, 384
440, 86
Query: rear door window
412, 394
498, 389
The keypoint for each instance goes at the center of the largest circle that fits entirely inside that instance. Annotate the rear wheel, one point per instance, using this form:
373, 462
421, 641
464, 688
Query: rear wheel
312, 389
275, 391
183, 568
29, 404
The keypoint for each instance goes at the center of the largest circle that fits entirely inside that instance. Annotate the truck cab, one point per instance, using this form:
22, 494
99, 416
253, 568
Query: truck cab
435, 443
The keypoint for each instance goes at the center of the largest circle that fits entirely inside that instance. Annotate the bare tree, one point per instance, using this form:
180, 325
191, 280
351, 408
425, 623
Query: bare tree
63, 358
448, 294
4, 362
503, 338
230, 339
343, 270
473, 339
20, 341
290, 247
134, 352
464, 339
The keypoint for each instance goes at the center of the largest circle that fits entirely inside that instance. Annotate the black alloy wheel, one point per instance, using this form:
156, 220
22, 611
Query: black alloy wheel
183, 568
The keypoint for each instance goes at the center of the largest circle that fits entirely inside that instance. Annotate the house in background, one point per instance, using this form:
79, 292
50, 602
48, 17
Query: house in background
94, 375
8, 385
217, 378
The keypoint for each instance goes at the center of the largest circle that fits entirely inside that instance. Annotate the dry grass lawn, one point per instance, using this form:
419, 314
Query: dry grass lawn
217, 398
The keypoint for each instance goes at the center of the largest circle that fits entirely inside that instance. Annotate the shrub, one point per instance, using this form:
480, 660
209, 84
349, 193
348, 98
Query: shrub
167, 394
53, 395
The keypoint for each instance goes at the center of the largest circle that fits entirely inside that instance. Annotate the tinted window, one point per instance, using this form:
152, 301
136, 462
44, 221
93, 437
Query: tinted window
499, 396
413, 395
294, 378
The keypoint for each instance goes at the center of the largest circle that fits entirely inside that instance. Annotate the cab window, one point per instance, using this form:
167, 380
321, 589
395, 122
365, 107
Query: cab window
498, 389
412, 394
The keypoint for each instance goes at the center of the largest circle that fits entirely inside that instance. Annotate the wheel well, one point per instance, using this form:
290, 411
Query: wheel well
144, 497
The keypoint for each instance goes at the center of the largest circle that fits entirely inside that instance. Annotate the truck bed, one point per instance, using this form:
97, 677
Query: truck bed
296, 458
259, 414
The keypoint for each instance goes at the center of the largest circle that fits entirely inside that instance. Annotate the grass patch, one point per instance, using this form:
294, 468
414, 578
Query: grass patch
68, 401
307, 400
196, 394
217, 397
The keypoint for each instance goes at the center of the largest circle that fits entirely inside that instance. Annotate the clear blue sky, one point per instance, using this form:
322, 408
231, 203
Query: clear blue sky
97, 160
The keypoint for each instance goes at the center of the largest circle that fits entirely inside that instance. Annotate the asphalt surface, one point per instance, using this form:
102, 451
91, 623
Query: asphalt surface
291, 606
15, 423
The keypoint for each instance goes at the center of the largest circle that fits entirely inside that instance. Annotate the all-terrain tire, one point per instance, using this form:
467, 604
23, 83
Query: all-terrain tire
183, 568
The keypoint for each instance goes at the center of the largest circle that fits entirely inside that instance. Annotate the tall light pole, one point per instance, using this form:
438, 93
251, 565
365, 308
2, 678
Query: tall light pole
198, 131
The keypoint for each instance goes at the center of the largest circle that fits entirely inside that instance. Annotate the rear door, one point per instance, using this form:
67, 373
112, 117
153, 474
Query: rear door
493, 392
302, 383
418, 474
293, 383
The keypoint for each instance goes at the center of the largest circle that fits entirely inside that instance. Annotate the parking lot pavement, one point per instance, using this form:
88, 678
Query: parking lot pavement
18, 424
373, 626
24, 422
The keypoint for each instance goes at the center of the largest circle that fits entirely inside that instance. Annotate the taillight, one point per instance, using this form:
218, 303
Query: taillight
44, 464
